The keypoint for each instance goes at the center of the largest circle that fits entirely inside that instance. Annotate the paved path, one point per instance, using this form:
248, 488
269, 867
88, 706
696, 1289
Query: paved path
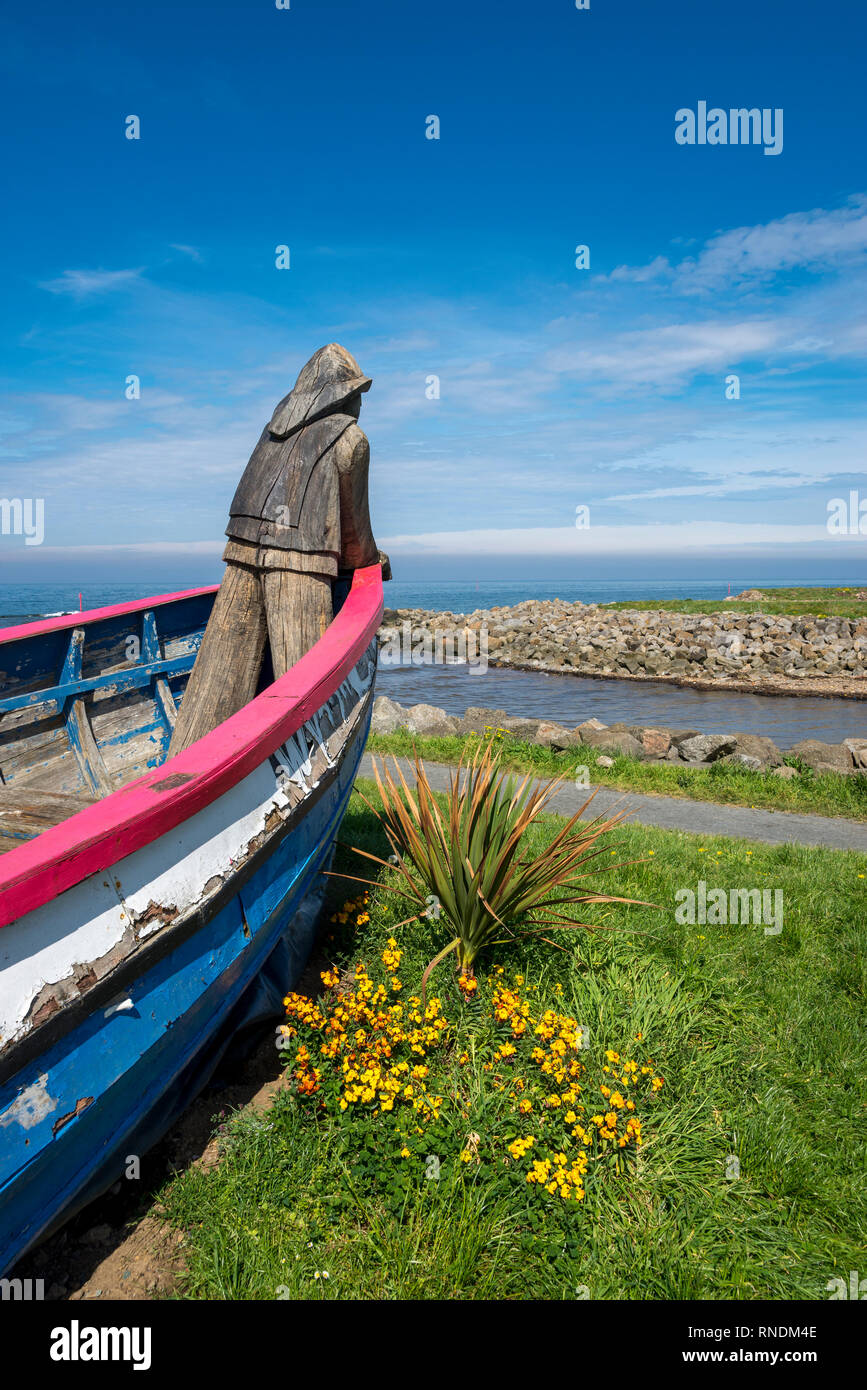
698, 817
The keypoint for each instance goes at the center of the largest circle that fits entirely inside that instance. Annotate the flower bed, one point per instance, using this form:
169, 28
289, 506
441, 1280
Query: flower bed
394, 1070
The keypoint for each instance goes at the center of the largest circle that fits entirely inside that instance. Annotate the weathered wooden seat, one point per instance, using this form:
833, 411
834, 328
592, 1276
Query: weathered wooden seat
26, 813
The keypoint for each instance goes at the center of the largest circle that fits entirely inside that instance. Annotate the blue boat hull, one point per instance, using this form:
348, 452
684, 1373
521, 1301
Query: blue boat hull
134, 1070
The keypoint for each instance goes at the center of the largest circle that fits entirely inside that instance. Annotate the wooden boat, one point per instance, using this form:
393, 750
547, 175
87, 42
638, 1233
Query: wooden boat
150, 909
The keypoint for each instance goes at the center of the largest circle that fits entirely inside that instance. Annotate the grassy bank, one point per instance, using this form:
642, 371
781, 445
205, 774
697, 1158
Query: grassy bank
823, 794
826, 603
748, 1180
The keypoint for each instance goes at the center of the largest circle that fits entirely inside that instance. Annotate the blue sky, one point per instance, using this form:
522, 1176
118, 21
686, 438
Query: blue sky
455, 257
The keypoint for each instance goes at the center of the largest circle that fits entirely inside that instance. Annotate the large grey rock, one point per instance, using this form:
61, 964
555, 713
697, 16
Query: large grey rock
524, 729
758, 749
614, 740
429, 721
823, 757
706, 748
678, 735
554, 736
655, 741
388, 716
478, 719
858, 748
590, 725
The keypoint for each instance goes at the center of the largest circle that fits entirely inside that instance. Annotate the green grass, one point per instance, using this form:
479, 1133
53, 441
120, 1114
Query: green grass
827, 603
822, 794
761, 1043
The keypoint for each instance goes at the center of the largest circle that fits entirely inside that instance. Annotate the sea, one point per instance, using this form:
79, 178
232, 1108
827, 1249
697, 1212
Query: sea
25, 602
567, 699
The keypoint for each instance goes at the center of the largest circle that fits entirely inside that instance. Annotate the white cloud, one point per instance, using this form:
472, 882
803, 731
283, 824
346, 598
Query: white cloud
818, 240
639, 274
668, 355
80, 284
662, 539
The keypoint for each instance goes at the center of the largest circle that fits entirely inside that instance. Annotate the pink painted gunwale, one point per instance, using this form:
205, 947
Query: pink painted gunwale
94, 615
137, 814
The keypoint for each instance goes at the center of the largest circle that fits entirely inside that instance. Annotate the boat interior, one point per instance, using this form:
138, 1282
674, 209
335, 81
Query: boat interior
86, 709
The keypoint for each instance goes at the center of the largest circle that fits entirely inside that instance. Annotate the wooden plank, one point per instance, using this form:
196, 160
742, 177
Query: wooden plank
119, 681
26, 813
151, 650
87, 754
166, 702
298, 609
221, 684
72, 664
43, 803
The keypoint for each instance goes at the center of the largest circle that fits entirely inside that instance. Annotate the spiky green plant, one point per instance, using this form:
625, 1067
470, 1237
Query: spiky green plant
468, 858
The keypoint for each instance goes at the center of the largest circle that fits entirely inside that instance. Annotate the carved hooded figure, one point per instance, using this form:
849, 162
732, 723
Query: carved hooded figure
304, 491
298, 520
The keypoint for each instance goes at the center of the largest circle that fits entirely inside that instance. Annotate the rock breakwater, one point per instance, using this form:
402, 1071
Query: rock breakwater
758, 651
